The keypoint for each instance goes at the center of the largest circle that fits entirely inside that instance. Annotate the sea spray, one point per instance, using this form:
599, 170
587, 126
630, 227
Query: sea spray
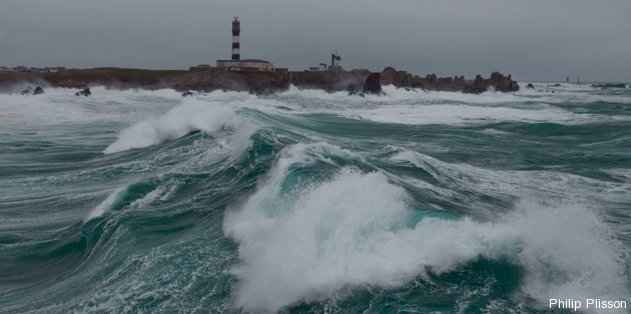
352, 231
181, 120
306, 201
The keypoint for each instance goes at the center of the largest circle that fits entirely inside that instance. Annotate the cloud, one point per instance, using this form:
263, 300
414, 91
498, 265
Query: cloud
533, 40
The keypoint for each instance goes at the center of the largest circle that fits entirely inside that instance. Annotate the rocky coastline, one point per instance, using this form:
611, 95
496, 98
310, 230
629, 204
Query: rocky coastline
356, 82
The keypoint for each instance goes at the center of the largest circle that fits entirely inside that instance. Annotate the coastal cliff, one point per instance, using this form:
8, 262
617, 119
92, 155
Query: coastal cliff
254, 82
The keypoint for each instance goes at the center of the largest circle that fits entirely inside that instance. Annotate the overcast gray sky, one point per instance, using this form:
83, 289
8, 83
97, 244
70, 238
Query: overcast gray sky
533, 40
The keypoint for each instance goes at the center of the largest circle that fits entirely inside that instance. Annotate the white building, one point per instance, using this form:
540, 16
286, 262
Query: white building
246, 65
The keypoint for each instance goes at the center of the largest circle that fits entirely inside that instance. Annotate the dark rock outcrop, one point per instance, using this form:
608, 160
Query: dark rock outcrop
390, 76
530, 86
38, 90
497, 81
356, 94
254, 82
85, 92
27, 91
610, 85
403, 79
479, 84
187, 93
372, 84
354, 90
503, 83
330, 81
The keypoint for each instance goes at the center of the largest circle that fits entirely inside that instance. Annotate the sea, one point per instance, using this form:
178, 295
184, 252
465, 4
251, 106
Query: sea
304, 201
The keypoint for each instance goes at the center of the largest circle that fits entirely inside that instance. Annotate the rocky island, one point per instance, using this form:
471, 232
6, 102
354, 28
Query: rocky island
353, 81
252, 75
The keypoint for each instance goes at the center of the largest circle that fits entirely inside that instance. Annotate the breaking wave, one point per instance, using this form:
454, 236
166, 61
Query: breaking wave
306, 201
357, 229
177, 122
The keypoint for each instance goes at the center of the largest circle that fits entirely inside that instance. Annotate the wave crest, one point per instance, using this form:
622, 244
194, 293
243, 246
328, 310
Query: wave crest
177, 122
360, 229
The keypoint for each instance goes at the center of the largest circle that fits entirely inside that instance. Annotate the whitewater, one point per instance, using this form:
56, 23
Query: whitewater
306, 201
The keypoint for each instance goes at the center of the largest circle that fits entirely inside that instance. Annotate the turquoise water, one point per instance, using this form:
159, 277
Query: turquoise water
308, 202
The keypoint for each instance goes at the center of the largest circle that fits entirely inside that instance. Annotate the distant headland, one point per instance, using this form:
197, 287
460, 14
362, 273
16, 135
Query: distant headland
354, 81
252, 75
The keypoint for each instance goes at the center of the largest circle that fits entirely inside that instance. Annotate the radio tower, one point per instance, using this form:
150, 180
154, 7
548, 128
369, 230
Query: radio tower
335, 61
236, 29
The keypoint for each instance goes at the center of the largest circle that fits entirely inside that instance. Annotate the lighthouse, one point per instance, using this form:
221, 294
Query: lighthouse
236, 63
236, 29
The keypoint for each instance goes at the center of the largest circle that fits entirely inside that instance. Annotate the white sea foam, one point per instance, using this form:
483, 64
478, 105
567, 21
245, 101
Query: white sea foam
161, 193
192, 116
106, 204
503, 184
417, 107
145, 111
61, 106
351, 231
488, 97
393, 93
434, 107
463, 114
203, 112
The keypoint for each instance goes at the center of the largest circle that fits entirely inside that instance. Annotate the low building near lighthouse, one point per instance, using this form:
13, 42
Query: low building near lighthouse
254, 65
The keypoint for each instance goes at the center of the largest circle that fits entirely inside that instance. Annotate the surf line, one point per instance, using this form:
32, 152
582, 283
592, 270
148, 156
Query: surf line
589, 304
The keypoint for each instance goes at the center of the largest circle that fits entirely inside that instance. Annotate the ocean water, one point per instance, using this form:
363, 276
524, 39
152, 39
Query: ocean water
308, 202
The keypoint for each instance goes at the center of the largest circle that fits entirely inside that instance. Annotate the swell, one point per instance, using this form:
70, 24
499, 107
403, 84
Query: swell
164, 203
373, 215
